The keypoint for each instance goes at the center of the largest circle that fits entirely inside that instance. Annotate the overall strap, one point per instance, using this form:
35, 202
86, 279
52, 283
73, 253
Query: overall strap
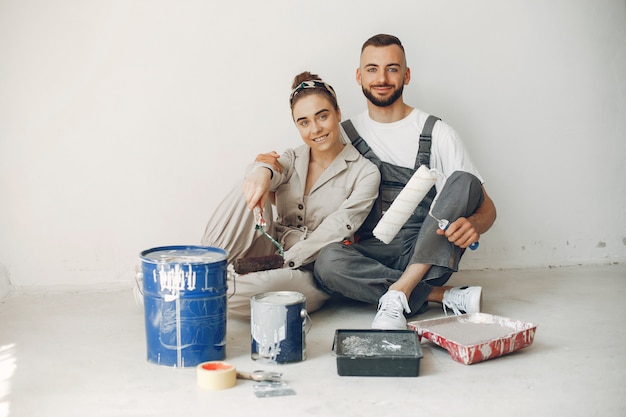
423, 152
355, 138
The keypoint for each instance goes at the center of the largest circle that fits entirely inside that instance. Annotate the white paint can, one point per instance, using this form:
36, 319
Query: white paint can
278, 320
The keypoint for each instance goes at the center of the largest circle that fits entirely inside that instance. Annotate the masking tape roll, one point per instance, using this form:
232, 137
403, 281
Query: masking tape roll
216, 375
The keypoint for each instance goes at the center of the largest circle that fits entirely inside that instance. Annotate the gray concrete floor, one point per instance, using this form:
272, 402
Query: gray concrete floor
82, 353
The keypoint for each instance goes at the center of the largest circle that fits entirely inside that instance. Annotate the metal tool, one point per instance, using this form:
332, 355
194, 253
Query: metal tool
260, 226
259, 221
260, 376
269, 384
445, 223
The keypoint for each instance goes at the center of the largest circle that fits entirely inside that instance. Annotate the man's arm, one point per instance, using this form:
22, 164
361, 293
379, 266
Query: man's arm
485, 215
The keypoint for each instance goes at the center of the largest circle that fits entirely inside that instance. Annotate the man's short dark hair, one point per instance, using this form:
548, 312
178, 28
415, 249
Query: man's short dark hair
382, 40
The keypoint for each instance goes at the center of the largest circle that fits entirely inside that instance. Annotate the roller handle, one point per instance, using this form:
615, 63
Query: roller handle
443, 225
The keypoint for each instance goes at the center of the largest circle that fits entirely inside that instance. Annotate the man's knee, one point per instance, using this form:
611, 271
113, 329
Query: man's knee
462, 183
325, 266
463, 179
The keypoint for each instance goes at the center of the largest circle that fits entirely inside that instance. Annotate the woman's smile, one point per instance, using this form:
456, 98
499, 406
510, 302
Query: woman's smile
320, 139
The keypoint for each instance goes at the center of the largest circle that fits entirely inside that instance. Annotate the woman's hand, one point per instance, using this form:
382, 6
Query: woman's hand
256, 186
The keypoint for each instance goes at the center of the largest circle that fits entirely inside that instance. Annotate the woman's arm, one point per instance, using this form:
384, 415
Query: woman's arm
262, 178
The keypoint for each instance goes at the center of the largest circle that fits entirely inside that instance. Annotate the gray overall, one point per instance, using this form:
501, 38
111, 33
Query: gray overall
365, 269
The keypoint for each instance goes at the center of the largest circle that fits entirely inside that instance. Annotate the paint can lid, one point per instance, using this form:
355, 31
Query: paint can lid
184, 255
279, 298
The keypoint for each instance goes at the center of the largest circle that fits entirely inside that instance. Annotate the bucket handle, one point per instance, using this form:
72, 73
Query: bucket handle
234, 277
307, 320
139, 276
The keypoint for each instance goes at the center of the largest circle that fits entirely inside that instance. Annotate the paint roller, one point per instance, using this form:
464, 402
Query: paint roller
405, 204
260, 263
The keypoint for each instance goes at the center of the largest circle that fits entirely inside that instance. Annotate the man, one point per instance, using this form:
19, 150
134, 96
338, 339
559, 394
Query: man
409, 272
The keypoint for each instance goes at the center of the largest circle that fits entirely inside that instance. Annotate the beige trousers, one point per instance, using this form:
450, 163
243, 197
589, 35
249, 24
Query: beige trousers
232, 228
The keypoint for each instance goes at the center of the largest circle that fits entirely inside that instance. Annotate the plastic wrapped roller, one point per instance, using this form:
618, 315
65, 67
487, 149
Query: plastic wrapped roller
405, 204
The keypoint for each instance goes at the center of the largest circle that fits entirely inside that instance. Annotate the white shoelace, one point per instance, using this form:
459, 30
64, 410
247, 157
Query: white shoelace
392, 306
454, 300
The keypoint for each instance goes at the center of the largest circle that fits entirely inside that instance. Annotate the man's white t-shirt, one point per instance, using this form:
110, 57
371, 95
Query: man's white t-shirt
397, 143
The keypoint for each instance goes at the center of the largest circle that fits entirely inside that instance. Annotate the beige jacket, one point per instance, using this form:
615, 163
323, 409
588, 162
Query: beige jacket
334, 209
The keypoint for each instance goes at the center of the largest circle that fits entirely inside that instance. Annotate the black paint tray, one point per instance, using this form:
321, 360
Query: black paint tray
377, 352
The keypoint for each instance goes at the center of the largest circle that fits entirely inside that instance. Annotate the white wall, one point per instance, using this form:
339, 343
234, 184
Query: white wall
122, 123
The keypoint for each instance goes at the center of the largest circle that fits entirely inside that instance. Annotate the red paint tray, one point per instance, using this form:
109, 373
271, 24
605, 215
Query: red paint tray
471, 338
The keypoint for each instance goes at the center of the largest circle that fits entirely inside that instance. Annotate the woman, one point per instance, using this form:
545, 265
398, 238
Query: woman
323, 194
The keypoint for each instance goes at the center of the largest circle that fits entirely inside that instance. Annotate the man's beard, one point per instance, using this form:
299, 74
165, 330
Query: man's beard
383, 102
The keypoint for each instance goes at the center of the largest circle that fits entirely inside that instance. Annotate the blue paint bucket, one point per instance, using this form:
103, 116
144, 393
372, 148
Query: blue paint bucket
278, 320
184, 293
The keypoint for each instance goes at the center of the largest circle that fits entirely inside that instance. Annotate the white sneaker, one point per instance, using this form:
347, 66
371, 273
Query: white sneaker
463, 300
390, 315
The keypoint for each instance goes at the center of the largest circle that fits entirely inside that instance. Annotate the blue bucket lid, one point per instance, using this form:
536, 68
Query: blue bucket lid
184, 255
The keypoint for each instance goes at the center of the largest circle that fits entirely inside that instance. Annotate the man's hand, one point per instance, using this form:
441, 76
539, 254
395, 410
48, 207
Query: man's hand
465, 231
462, 233
270, 158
